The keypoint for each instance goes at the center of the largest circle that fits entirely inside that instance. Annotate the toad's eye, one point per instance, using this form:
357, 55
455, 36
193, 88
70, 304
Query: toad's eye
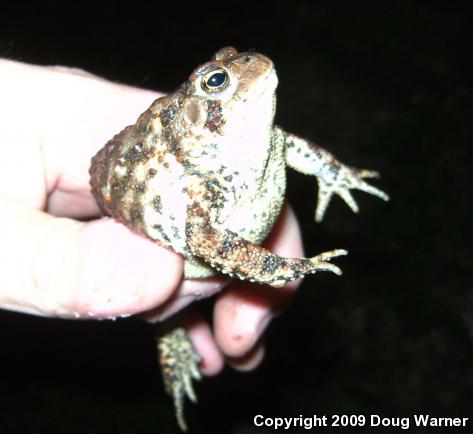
215, 80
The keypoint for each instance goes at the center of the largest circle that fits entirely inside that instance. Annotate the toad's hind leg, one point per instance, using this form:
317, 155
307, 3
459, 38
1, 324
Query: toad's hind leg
179, 366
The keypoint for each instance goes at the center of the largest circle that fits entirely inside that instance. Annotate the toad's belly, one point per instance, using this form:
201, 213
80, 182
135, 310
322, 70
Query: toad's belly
254, 216
253, 219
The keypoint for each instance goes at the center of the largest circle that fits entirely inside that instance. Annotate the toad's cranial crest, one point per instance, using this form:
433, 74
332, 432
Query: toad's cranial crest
203, 172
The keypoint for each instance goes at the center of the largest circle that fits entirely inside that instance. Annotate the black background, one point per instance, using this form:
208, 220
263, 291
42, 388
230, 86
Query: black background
383, 85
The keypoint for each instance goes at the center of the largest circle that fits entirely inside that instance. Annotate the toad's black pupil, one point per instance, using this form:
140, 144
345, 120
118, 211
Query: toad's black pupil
216, 80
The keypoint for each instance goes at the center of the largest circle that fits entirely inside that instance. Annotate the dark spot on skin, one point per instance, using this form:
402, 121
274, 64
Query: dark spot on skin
160, 229
306, 155
269, 265
215, 120
136, 213
152, 173
120, 186
191, 171
215, 197
157, 204
230, 242
136, 154
175, 232
174, 147
140, 187
298, 150
228, 178
168, 114
226, 246
188, 230
334, 169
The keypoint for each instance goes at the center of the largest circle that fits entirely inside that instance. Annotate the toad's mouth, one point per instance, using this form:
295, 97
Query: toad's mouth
270, 81
267, 85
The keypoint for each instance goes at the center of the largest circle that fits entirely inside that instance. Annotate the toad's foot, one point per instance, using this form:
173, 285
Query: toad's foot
179, 360
333, 176
340, 179
233, 255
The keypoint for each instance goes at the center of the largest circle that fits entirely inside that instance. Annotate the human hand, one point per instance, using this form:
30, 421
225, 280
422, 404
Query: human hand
52, 120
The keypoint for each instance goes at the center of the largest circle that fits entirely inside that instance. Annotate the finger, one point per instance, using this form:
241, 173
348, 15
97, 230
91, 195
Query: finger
243, 312
59, 267
120, 272
188, 291
250, 360
205, 345
72, 202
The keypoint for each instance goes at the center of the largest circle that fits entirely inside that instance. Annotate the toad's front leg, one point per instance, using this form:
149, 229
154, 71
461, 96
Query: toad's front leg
231, 254
333, 177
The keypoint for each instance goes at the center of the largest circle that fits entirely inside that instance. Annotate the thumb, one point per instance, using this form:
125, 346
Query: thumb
61, 267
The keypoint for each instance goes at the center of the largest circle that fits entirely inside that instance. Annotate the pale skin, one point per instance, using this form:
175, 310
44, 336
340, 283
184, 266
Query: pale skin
52, 120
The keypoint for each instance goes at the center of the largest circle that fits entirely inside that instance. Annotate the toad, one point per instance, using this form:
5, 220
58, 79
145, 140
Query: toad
203, 172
